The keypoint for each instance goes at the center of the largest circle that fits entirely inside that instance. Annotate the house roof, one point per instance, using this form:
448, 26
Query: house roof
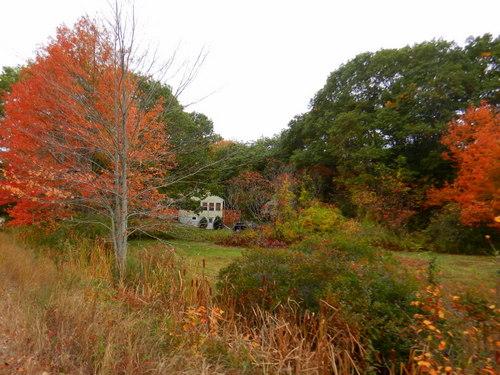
212, 198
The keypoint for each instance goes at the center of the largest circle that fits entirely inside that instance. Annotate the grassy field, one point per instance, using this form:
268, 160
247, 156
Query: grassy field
456, 270
452, 270
200, 256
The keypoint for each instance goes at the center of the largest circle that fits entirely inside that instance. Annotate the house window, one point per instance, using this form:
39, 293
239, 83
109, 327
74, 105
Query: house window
194, 217
217, 207
211, 207
210, 220
204, 205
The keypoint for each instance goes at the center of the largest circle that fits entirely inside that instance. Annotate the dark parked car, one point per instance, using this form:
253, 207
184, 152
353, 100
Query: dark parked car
239, 226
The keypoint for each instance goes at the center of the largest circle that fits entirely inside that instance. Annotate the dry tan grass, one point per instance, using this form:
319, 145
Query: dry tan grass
77, 322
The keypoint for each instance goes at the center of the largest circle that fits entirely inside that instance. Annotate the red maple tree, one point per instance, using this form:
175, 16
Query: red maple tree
81, 134
473, 142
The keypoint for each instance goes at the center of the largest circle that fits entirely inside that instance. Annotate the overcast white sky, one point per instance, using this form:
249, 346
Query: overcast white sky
266, 59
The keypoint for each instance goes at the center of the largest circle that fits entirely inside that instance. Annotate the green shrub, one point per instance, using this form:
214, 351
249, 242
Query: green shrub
382, 237
63, 237
268, 277
203, 223
351, 248
446, 234
370, 292
312, 218
218, 224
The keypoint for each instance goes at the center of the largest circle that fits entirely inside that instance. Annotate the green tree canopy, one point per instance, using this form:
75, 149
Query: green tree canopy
389, 108
8, 77
191, 139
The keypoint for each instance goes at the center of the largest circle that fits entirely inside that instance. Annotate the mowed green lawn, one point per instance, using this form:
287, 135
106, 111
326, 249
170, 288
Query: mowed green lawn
456, 270
452, 270
212, 257
199, 256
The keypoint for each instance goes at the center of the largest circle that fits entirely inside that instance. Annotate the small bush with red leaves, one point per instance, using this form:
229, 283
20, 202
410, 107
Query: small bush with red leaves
251, 238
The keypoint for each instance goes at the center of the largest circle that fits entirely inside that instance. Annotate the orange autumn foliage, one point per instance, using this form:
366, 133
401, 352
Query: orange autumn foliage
474, 145
74, 122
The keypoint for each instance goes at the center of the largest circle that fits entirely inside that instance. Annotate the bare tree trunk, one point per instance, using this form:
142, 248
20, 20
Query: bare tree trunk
121, 237
121, 177
121, 224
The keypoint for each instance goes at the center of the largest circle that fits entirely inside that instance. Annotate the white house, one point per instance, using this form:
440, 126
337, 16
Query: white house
212, 206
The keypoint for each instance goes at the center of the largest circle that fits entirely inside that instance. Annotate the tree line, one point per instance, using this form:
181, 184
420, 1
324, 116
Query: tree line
85, 131
405, 137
